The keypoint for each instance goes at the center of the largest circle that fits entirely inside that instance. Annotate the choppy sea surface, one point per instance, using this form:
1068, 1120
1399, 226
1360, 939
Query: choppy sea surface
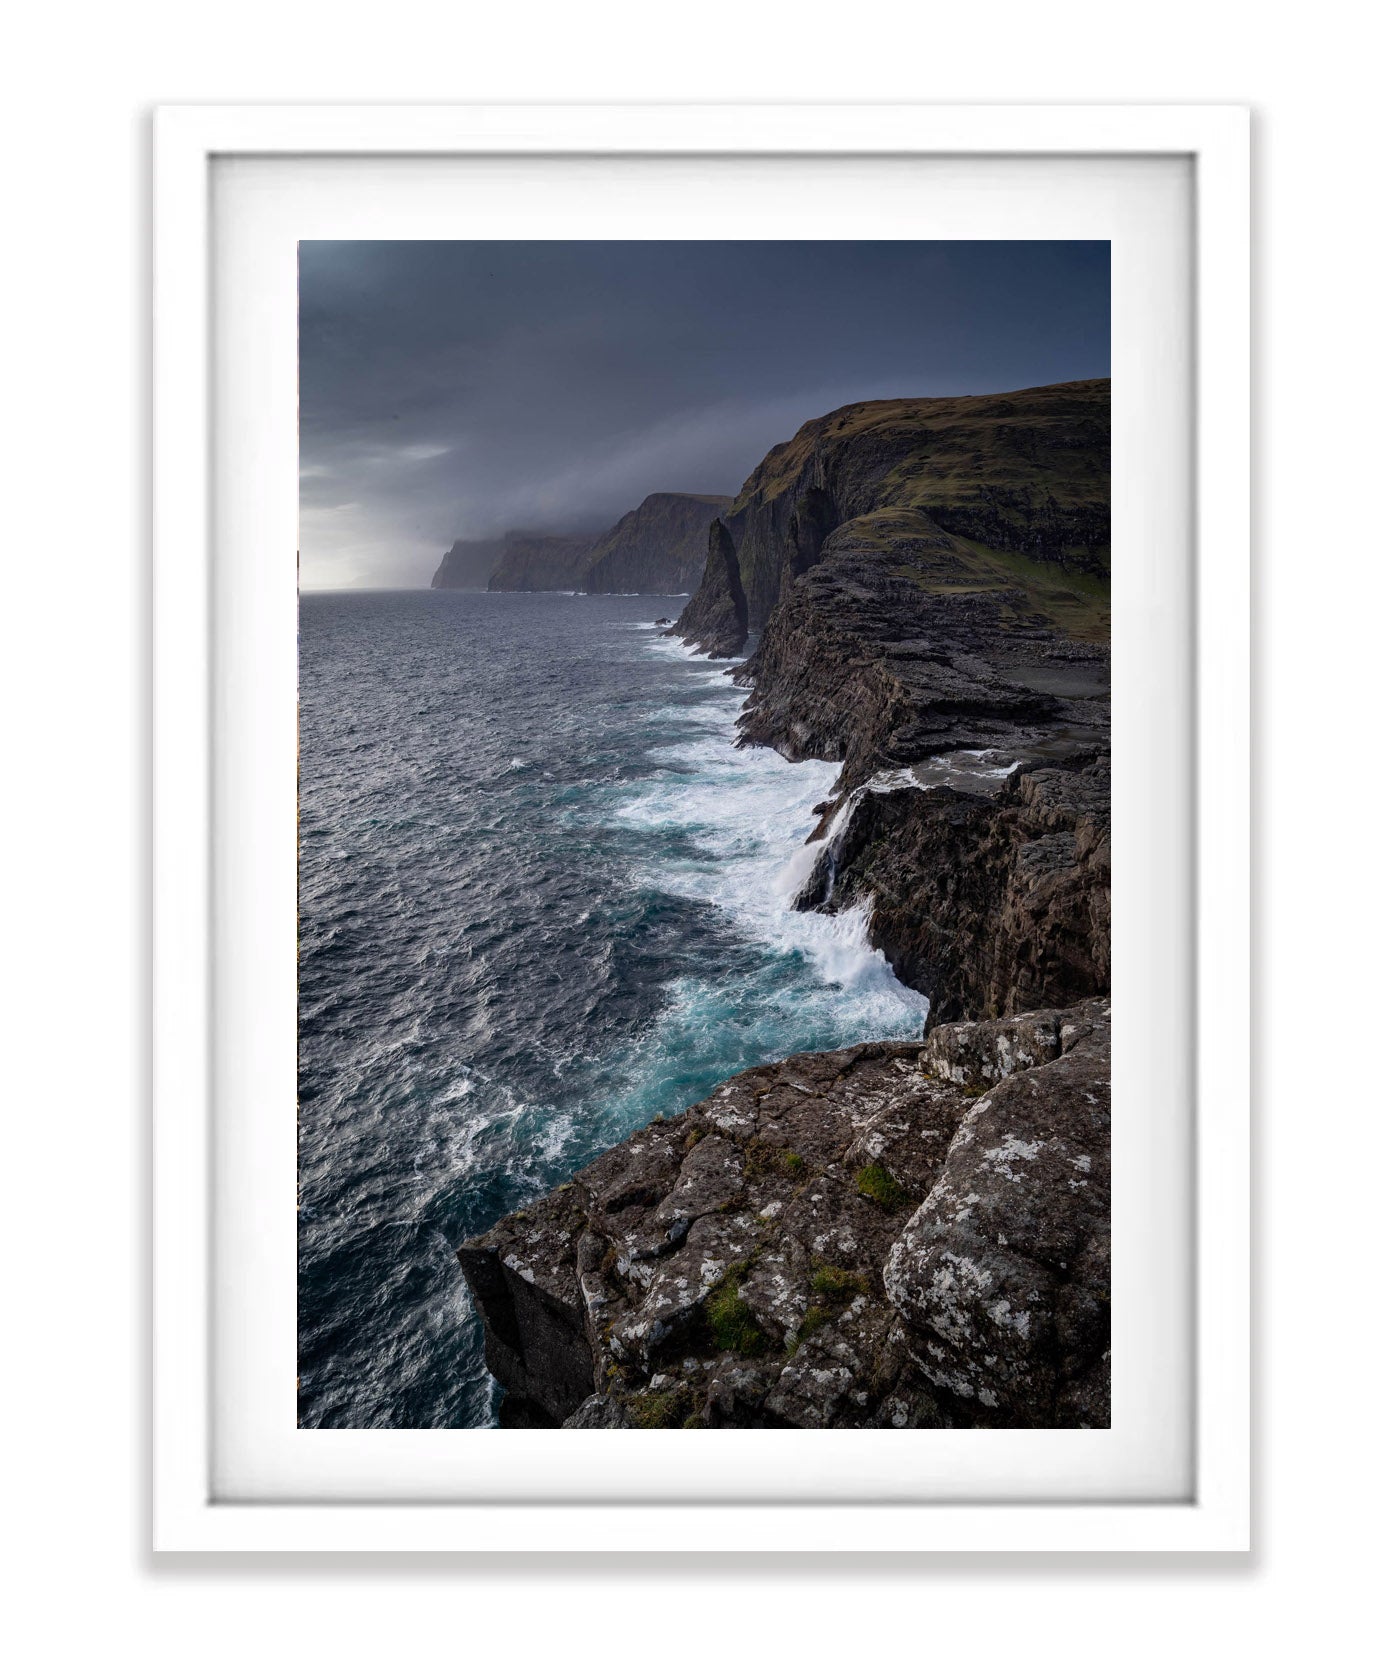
542, 899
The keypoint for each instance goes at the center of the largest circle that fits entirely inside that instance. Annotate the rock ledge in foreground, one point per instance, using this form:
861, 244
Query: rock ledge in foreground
894, 1235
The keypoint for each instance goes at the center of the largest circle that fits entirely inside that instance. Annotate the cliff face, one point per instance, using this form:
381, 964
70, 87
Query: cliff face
469, 565
965, 492
656, 549
1024, 473
534, 564
973, 802
835, 1240
715, 619
966, 693
865, 664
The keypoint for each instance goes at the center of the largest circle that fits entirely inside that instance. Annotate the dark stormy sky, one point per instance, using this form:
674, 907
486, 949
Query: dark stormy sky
462, 389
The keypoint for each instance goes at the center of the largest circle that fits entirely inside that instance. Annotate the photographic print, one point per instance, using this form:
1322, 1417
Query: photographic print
704, 835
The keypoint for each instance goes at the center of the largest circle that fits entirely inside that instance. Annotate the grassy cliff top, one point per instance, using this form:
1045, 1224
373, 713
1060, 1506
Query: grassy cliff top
941, 451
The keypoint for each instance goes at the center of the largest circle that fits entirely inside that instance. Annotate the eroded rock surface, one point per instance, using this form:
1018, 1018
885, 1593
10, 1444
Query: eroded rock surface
862, 664
903, 1235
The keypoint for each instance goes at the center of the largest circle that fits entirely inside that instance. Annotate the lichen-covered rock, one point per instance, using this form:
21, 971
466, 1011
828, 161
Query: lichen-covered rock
980, 1054
820, 1245
600, 1411
1002, 1275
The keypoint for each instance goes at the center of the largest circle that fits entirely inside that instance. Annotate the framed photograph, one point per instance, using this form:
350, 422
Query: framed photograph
651, 934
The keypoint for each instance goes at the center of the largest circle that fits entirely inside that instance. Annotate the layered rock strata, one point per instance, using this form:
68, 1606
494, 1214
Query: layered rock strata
863, 665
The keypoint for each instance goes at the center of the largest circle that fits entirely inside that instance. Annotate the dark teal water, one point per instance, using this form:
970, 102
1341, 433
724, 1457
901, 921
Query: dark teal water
543, 898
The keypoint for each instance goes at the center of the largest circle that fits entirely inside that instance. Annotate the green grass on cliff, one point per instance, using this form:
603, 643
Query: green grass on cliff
882, 1187
669, 1410
729, 1319
1076, 603
1025, 470
942, 451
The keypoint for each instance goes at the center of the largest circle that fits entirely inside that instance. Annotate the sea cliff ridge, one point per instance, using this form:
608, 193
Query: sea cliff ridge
657, 548
891, 1234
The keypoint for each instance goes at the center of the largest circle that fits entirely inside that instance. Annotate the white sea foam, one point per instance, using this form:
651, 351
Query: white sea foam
886, 781
658, 646
462, 1087
730, 827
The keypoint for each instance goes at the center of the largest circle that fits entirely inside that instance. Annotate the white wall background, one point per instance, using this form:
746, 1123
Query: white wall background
87, 1597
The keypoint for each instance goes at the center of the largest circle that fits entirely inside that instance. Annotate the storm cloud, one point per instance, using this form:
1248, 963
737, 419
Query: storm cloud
463, 389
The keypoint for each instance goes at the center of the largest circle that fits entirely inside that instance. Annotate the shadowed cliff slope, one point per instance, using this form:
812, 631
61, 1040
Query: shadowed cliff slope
957, 493
469, 565
541, 563
656, 549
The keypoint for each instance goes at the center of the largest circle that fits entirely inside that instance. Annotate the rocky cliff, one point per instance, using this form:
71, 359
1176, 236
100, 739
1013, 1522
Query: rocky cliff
987, 896
895, 1235
973, 493
965, 693
469, 565
867, 665
534, 564
715, 620
656, 549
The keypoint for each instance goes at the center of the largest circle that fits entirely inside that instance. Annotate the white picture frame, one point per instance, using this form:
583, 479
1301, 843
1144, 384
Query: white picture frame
191, 1024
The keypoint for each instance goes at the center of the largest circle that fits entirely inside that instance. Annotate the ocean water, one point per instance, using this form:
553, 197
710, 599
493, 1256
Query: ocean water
543, 898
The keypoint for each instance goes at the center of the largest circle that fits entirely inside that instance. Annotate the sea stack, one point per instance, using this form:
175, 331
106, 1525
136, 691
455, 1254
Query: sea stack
716, 618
